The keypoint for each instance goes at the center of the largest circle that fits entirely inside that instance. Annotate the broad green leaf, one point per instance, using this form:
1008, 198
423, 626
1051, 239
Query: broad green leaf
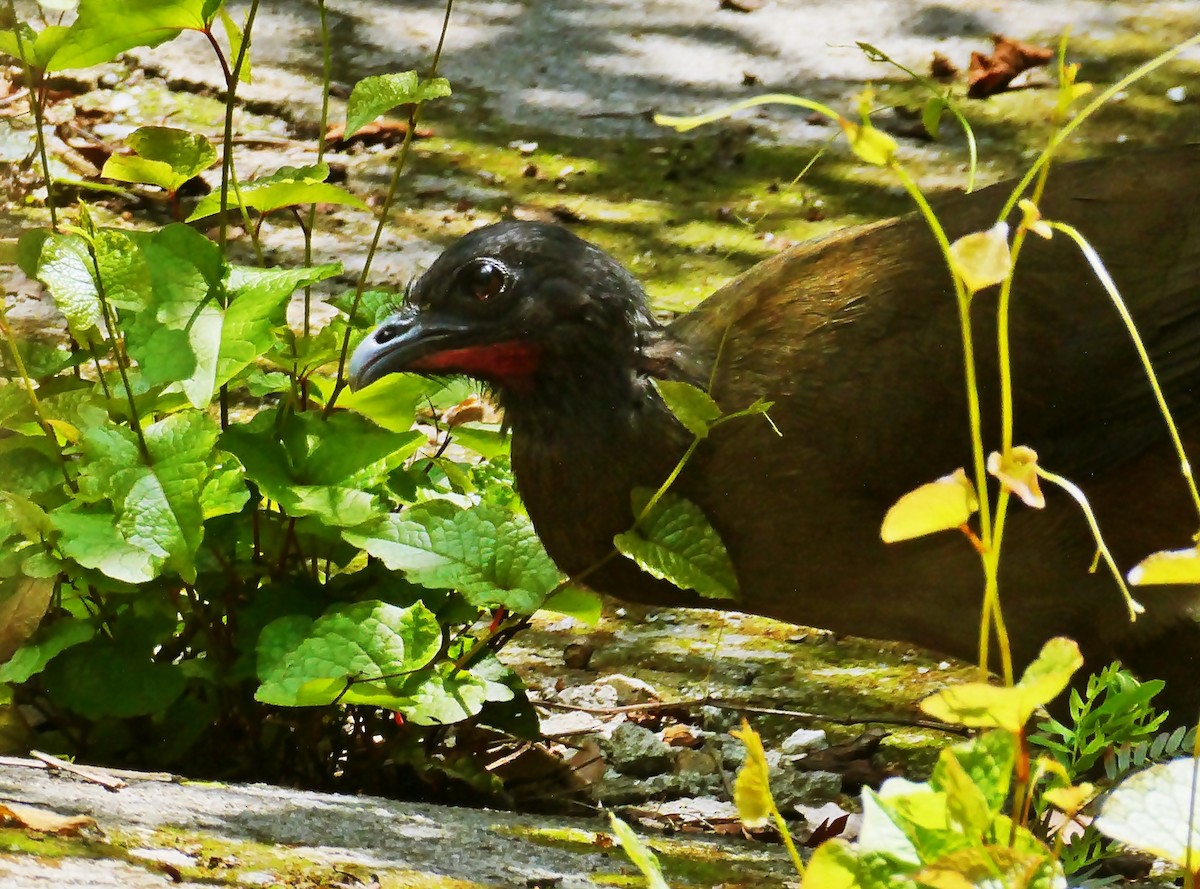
488, 441
32, 658
29, 466
982, 259
286, 187
163, 156
359, 653
343, 452
158, 507
638, 852
936, 506
103, 679
988, 706
1154, 811
27, 518
390, 401
675, 542
21, 612
1178, 566
104, 30
752, 788
200, 331
66, 269
490, 556
225, 491
376, 95
447, 695
91, 539
692, 406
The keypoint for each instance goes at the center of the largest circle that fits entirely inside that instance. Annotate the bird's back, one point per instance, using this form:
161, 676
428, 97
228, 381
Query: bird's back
856, 340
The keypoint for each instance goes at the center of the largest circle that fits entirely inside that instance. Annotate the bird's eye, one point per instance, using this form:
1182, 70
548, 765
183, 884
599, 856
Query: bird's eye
485, 278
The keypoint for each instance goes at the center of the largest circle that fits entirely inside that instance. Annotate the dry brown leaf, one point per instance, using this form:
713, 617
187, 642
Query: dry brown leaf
992, 74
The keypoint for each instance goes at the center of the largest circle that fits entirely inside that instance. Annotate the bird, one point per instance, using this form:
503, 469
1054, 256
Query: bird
854, 340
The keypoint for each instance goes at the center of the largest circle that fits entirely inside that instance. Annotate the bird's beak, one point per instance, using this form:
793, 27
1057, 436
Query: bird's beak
400, 342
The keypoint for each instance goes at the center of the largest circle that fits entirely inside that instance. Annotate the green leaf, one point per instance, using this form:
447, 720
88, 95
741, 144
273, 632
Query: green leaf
1154, 811
931, 115
987, 762
372, 643
286, 187
34, 48
187, 335
964, 800
322, 467
103, 678
31, 659
988, 706
675, 542
868, 142
583, 605
225, 491
91, 539
639, 853
103, 30
692, 406
490, 556
66, 269
164, 156
373, 96
235, 36
836, 864
447, 695
157, 506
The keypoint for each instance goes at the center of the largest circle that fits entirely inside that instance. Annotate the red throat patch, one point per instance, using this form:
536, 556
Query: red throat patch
508, 364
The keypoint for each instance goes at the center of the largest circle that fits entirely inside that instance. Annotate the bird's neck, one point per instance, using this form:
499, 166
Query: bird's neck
595, 384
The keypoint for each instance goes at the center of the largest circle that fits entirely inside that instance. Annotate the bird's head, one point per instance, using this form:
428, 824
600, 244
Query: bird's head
521, 306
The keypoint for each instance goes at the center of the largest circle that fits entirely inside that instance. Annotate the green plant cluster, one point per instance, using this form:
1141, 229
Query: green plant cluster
199, 525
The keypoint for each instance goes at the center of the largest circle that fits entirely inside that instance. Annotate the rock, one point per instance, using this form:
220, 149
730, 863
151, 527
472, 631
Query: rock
804, 740
638, 752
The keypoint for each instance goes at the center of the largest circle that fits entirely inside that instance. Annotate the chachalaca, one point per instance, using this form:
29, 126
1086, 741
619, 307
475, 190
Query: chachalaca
855, 340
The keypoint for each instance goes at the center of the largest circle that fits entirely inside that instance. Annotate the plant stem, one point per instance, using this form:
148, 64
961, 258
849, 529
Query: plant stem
414, 115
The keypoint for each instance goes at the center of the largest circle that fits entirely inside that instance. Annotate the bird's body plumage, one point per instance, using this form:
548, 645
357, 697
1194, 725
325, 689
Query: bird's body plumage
855, 339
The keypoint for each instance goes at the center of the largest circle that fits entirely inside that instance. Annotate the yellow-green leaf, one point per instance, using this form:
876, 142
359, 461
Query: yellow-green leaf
751, 788
1071, 799
868, 142
937, 506
982, 259
1178, 566
639, 853
982, 705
